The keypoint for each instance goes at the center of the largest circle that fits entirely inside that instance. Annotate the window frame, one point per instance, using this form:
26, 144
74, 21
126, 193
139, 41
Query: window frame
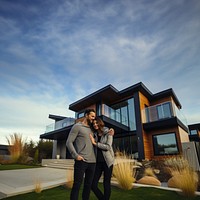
155, 151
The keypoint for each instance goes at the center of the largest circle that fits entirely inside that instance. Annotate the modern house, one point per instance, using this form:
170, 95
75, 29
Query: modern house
4, 153
4, 150
147, 125
194, 132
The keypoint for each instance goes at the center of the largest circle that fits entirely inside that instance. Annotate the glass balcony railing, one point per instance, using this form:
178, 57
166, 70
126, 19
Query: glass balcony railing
181, 116
113, 114
60, 124
117, 116
162, 111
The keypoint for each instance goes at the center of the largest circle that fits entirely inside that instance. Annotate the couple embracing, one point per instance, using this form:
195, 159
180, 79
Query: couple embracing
90, 144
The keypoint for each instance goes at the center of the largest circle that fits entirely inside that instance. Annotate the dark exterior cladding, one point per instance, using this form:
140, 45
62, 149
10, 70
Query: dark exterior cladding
109, 94
194, 126
56, 117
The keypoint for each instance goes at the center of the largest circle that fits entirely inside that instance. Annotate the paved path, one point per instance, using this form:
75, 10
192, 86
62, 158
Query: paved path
14, 182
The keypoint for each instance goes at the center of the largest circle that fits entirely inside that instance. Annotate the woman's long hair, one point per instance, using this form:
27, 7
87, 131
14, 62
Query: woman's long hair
100, 124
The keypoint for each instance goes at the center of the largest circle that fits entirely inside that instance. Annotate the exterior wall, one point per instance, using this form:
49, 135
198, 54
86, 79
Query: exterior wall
155, 102
63, 147
59, 148
146, 142
54, 153
181, 135
184, 137
190, 153
162, 131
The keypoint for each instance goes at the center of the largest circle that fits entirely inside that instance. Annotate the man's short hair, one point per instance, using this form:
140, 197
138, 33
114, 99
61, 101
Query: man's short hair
88, 111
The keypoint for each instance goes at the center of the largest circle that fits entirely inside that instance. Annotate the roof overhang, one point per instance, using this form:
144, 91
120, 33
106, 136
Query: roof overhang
167, 93
60, 134
194, 126
164, 123
108, 95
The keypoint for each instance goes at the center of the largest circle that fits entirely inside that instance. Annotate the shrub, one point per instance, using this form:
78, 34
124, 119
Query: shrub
36, 156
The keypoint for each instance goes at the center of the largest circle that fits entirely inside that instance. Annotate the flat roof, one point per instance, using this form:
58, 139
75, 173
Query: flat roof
110, 94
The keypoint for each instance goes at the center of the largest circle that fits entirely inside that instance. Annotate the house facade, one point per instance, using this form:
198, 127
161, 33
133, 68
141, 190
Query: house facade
194, 132
147, 126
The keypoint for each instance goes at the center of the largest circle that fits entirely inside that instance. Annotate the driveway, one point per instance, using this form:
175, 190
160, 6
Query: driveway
14, 182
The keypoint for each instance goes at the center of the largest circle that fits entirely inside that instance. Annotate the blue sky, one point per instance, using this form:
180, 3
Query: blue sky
53, 53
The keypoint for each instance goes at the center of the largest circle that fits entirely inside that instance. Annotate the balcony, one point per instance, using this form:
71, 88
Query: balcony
118, 117
114, 115
162, 111
60, 124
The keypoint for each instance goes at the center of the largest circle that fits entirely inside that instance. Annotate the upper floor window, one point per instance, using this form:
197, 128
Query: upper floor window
124, 112
79, 114
164, 110
193, 132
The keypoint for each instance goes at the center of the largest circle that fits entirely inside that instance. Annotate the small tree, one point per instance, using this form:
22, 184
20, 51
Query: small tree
31, 148
36, 156
45, 148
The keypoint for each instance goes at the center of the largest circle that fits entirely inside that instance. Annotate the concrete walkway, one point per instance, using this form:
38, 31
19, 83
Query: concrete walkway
14, 182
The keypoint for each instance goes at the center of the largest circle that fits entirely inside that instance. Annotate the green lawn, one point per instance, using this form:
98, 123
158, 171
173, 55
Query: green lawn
142, 193
61, 193
16, 166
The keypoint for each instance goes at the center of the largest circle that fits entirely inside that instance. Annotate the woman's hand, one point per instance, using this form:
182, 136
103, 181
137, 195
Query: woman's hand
92, 140
111, 131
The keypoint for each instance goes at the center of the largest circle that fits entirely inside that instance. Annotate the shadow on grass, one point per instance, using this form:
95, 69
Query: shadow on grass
140, 193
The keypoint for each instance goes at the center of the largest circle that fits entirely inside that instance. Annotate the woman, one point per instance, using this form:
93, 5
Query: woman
105, 158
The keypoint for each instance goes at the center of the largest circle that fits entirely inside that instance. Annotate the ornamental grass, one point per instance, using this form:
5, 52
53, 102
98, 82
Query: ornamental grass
184, 177
38, 186
124, 170
16, 147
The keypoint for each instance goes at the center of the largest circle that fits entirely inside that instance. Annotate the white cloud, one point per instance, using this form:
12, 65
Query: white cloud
29, 117
55, 54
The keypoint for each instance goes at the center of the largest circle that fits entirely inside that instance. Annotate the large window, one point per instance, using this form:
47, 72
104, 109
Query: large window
193, 132
165, 144
79, 114
124, 112
126, 144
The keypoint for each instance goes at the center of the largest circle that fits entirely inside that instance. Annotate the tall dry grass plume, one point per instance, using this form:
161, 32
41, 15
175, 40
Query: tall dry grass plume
16, 146
124, 170
38, 186
184, 177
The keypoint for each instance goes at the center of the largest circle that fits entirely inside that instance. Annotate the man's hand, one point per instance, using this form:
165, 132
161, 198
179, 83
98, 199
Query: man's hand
80, 158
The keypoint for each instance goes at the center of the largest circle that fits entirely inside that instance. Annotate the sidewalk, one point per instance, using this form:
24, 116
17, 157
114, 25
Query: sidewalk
14, 182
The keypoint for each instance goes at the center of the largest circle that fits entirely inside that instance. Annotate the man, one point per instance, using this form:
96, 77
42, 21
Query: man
83, 151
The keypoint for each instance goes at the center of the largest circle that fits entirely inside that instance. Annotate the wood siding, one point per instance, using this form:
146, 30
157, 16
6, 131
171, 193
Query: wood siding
146, 142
